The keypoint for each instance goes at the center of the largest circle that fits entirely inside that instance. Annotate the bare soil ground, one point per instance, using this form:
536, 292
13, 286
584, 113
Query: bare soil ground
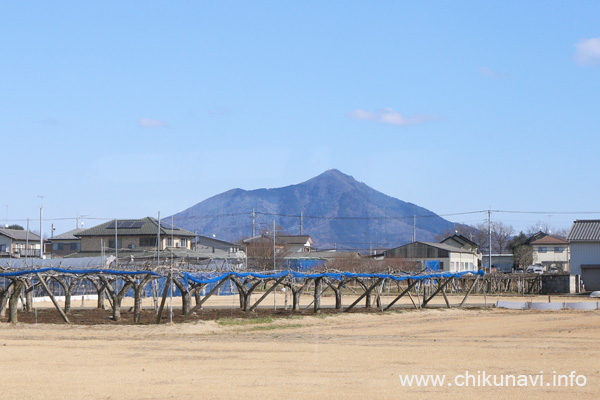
333, 356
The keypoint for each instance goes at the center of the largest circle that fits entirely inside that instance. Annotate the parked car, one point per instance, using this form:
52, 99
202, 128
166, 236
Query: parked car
535, 269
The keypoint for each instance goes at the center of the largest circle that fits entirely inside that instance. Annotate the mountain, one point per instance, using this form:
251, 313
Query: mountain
337, 210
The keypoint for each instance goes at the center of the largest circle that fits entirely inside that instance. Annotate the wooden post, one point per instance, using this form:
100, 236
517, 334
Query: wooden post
441, 287
413, 300
484, 295
411, 284
366, 293
470, 290
213, 291
264, 296
446, 298
164, 299
60, 311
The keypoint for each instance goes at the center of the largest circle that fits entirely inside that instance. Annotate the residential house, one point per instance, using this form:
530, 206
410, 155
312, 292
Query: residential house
215, 248
437, 256
461, 242
296, 243
283, 243
584, 241
552, 252
65, 244
19, 243
134, 236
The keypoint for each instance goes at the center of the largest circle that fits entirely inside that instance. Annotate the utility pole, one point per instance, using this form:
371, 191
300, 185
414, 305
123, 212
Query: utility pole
275, 292
51, 238
116, 246
41, 226
27, 242
301, 222
158, 242
253, 223
414, 228
171, 273
490, 239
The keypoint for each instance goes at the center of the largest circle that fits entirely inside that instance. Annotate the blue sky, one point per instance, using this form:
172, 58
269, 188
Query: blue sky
124, 109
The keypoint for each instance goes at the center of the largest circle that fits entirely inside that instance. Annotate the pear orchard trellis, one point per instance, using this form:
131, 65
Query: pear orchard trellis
194, 287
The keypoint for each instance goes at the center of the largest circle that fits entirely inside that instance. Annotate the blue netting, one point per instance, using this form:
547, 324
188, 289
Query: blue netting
211, 279
338, 276
432, 265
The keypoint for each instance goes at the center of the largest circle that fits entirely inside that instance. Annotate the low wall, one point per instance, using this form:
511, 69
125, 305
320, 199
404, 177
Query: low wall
526, 305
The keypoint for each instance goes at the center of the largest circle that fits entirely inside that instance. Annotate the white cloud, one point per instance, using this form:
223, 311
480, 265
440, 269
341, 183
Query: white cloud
390, 117
588, 51
151, 123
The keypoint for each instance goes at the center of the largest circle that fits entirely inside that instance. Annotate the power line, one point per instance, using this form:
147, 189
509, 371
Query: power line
325, 217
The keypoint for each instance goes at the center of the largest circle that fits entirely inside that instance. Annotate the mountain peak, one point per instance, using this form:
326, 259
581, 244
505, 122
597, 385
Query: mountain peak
333, 176
334, 173
339, 212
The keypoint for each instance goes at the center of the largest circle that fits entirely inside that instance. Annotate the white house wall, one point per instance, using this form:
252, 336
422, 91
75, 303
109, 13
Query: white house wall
6, 243
462, 262
456, 263
550, 256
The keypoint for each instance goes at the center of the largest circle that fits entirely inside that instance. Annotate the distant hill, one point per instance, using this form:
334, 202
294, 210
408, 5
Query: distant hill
337, 210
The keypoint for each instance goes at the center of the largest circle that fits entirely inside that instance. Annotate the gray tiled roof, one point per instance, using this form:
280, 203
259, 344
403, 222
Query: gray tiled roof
69, 235
147, 226
585, 230
19, 234
441, 246
447, 247
294, 239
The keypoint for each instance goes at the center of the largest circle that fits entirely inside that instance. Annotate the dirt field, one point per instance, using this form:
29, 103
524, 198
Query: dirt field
351, 356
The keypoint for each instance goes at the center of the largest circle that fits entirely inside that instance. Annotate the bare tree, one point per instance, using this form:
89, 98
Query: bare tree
260, 253
523, 256
481, 236
372, 266
545, 227
501, 234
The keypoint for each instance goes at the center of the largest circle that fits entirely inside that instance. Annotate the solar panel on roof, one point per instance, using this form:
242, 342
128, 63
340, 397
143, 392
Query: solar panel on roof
126, 225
